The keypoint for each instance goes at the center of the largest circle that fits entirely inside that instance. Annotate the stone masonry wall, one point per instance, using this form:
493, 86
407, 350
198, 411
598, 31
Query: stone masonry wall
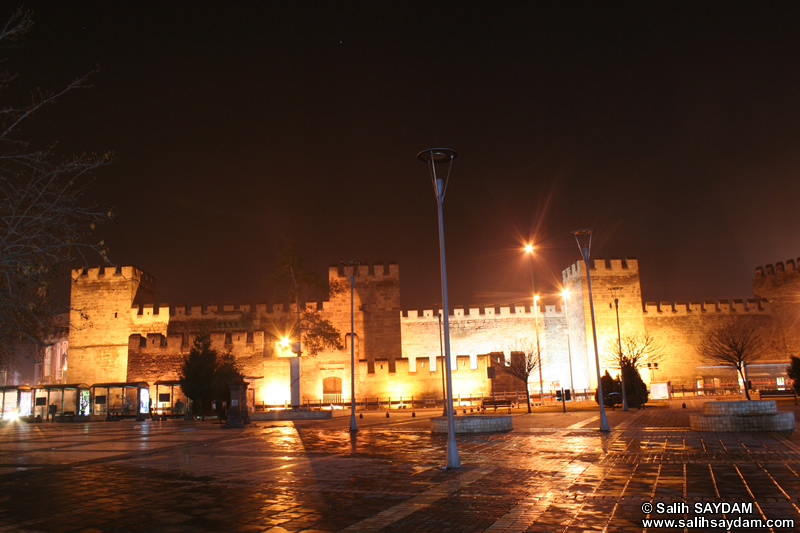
101, 321
779, 284
605, 275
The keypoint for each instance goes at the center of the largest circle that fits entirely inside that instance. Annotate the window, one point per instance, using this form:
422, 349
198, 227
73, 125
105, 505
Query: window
142, 342
228, 338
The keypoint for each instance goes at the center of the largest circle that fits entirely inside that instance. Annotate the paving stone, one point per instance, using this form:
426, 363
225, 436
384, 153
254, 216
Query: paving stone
553, 472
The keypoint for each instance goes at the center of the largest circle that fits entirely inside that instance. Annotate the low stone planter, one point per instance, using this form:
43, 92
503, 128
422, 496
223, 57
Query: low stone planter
742, 415
291, 414
473, 424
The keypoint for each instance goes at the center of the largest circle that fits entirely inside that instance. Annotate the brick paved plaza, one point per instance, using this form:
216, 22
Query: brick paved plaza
553, 472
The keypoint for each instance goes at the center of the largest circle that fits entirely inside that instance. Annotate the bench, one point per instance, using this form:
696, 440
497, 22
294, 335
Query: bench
67, 415
769, 394
496, 404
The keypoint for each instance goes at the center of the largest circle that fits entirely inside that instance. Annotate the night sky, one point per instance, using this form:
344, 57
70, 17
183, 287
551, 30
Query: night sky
671, 129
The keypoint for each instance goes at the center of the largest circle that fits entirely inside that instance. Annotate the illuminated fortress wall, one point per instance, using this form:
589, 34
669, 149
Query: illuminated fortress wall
679, 328
118, 334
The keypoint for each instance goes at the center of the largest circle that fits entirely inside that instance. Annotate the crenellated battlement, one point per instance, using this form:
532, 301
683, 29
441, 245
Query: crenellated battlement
790, 266
148, 311
604, 267
751, 306
211, 310
367, 270
484, 312
101, 273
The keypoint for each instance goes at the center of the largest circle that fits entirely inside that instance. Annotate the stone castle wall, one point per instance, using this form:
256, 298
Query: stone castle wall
780, 285
101, 321
118, 334
679, 328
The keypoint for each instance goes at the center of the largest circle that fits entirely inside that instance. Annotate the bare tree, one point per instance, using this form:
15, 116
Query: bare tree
45, 220
734, 344
638, 349
632, 351
524, 356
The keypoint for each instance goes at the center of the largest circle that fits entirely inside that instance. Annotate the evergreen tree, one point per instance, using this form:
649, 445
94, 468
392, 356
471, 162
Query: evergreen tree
635, 387
612, 389
793, 371
197, 374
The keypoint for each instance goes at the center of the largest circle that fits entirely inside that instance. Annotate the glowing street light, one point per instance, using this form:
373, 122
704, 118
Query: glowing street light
285, 343
615, 291
529, 250
584, 239
351, 269
432, 157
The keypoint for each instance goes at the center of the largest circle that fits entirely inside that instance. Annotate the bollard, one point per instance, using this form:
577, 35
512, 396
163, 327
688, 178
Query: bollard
387, 414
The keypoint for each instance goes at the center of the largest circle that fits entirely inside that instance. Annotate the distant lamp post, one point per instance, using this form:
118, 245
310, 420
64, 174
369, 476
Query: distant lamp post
351, 269
529, 250
565, 295
584, 239
616, 291
444, 158
652, 367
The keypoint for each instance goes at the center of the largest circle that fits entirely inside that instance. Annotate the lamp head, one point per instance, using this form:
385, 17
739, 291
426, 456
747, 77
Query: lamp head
437, 155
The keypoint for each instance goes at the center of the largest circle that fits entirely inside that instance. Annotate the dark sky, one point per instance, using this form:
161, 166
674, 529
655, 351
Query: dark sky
672, 129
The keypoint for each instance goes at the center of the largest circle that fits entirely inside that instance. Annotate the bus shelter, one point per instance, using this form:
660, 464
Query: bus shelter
131, 399
62, 399
170, 399
17, 401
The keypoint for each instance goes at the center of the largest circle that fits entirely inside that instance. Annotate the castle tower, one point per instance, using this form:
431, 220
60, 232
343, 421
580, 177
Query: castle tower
779, 284
623, 273
102, 320
377, 312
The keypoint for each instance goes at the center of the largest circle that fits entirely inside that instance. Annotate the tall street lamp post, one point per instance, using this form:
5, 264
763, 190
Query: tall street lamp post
441, 369
565, 295
529, 250
615, 291
444, 157
351, 269
584, 239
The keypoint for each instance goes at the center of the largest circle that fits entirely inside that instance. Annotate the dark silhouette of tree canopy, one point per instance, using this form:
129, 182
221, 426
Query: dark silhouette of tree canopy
206, 376
635, 387
45, 219
611, 391
734, 344
523, 359
793, 371
295, 283
319, 334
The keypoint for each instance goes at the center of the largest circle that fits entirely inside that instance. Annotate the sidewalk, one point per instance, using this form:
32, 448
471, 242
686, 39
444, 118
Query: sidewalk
553, 472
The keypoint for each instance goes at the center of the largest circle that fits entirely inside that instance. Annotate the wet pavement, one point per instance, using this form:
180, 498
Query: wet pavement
553, 472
